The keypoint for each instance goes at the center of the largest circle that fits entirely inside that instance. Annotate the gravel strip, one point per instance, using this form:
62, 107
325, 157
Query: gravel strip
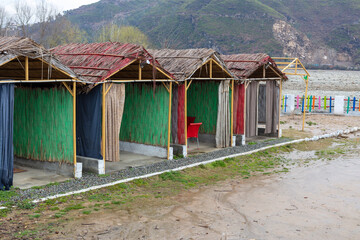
89, 180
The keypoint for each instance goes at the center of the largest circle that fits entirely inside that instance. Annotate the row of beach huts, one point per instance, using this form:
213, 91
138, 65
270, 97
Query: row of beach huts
78, 106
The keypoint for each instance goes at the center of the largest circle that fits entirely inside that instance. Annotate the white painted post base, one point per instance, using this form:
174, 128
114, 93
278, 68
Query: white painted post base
234, 141
339, 105
78, 170
290, 103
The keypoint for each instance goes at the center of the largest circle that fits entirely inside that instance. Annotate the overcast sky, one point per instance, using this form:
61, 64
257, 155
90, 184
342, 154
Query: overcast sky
60, 5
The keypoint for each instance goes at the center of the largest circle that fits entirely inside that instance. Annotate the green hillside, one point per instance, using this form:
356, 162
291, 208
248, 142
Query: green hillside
229, 25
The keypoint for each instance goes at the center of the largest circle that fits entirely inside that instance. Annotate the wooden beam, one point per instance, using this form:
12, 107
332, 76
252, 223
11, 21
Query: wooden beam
289, 65
167, 88
140, 74
169, 121
27, 68
108, 89
68, 88
264, 71
189, 84
211, 68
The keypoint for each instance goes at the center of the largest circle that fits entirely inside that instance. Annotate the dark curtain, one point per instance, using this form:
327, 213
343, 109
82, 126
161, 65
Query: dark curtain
262, 103
6, 136
88, 123
272, 107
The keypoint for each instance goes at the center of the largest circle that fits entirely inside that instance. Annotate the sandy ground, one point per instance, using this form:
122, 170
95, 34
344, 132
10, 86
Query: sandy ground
316, 124
313, 201
325, 83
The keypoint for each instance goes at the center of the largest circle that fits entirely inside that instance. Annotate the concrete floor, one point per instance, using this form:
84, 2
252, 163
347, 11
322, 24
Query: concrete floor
35, 177
129, 159
193, 148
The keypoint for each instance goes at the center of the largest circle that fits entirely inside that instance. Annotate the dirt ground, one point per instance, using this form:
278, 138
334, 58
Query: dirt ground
317, 197
318, 200
316, 124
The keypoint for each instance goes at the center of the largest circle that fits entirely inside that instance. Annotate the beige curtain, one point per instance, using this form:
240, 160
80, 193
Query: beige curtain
223, 118
272, 107
252, 109
115, 100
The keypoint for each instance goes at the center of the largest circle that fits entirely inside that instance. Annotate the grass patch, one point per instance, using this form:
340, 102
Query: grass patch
73, 207
26, 204
86, 212
37, 215
7, 195
310, 123
252, 143
218, 164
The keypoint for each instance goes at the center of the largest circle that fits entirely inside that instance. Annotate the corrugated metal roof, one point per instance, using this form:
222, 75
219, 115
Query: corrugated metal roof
13, 47
243, 66
184, 63
96, 62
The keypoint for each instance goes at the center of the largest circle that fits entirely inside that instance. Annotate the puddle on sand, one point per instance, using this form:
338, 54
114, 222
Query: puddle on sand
320, 201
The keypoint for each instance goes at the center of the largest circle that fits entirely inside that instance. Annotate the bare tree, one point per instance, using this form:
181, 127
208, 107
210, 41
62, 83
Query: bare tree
45, 13
3, 21
23, 16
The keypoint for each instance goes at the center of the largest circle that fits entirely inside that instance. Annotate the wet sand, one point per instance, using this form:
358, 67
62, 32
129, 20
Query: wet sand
318, 201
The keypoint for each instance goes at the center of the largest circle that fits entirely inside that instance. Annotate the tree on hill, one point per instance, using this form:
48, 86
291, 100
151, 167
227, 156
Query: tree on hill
62, 31
124, 34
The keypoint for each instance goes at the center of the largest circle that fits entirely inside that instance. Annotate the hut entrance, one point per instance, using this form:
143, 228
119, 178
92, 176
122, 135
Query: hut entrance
262, 112
43, 134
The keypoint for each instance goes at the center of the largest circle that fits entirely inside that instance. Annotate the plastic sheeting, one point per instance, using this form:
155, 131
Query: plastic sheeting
223, 118
115, 101
6, 135
88, 124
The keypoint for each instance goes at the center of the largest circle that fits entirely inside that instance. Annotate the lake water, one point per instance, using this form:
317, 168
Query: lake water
325, 83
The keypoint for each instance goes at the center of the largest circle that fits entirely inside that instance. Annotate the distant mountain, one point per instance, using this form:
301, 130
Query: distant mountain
324, 32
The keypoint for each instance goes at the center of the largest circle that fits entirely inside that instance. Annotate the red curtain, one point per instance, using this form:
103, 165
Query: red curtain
181, 114
239, 103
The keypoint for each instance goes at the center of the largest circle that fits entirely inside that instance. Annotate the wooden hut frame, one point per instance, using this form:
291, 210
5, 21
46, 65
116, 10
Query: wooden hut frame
24, 61
293, 66
195, 64
109, 63
255, 67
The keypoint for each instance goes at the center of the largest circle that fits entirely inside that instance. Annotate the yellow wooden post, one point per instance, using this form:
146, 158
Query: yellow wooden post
103, 126
232, 112
74, 124
140, 70
169, 121
185, 127
27, 68
304, 113
279, 107
211, 68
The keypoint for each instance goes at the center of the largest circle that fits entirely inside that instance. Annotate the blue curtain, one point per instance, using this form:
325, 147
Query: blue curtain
88, 124
6, 136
